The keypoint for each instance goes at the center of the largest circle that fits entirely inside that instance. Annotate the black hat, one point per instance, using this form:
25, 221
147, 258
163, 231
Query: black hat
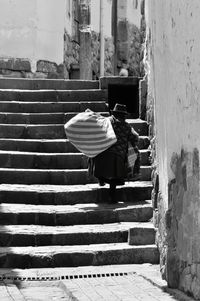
120, 108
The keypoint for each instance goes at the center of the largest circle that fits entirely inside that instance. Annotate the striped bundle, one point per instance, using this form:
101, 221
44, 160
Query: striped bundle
90, 133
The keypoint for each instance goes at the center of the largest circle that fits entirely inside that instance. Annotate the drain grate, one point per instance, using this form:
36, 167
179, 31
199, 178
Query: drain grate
65, 277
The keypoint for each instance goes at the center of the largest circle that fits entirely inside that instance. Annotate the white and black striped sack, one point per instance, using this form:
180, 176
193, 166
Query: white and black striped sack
90, 132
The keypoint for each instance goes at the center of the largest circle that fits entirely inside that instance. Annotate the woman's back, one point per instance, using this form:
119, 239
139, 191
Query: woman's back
124, 134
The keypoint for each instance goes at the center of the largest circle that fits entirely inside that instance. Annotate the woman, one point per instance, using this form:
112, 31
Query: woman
110, 166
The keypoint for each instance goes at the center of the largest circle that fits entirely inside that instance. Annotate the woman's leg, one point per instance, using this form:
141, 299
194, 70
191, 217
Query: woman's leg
101, 182
112, 192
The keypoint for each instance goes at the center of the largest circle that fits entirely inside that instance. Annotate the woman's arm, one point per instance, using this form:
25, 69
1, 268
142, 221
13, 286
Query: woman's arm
133, 137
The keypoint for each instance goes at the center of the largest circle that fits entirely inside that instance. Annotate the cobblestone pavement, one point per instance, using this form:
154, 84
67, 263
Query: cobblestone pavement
108, 283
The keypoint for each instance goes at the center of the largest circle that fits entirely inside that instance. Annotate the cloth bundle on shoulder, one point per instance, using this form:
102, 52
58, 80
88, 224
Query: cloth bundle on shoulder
90, 133
132, 156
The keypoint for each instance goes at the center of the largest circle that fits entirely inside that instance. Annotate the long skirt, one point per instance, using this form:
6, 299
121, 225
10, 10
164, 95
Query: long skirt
108, 167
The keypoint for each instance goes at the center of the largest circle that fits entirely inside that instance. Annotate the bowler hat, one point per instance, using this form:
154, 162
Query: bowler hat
120, 108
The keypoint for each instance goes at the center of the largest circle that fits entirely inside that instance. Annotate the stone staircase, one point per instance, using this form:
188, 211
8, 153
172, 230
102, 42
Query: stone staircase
51, 213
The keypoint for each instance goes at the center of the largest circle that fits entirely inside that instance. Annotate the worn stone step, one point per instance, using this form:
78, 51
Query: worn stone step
10, 292
52, 107
35, 235
74, 194
30, 160
139, 125
105, 81
40, 131
53, 95
64, 215
46, 84
38, 118
71, 256
54, 131
141, 234
55, 176
49, 145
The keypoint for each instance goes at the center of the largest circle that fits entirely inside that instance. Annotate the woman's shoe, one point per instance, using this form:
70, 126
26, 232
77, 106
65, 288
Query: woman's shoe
101, 183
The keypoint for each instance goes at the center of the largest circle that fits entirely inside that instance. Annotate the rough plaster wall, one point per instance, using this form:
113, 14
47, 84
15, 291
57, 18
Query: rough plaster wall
133, 12
174, 85
130, 36
32, 29
95, 16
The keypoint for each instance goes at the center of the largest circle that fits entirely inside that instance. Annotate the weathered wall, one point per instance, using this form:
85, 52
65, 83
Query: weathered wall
72, 47
173, 68
31, 34
107, 29
130, 36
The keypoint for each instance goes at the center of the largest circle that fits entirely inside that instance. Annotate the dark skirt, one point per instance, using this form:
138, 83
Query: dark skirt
108, 167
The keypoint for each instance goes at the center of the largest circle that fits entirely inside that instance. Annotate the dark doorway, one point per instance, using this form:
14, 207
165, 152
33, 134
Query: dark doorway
125, 94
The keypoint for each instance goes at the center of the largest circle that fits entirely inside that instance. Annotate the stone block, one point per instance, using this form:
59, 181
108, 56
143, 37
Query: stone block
85, 55
123, 27
123, 51
15, 64
172, 270
46, 67
117, 80
11, 73
141, 236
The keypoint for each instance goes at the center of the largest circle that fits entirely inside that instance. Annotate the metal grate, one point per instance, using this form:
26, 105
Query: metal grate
65, 277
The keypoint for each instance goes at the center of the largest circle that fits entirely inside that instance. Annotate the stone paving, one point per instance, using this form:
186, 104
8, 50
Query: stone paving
113, 283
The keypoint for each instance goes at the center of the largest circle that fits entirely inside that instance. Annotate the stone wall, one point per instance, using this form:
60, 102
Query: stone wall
131, 36
135, 49
31, 44
21, 68
71, 55
172, 67
109, 52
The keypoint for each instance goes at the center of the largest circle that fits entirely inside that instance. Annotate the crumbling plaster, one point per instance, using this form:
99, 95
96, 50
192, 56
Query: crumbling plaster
173, 68
174, 78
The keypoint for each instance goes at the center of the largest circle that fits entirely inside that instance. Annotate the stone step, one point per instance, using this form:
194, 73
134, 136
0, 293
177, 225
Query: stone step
74, 194
52, 107
42, 131
38, 118
105, 81
10, 292
71, 256
50, 145
137, 235
53, 95
55, 176
46, 84
139, 126
35, 235
30, 160
65, 215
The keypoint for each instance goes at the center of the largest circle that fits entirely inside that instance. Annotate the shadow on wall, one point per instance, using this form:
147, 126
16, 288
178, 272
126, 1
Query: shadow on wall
182, 223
